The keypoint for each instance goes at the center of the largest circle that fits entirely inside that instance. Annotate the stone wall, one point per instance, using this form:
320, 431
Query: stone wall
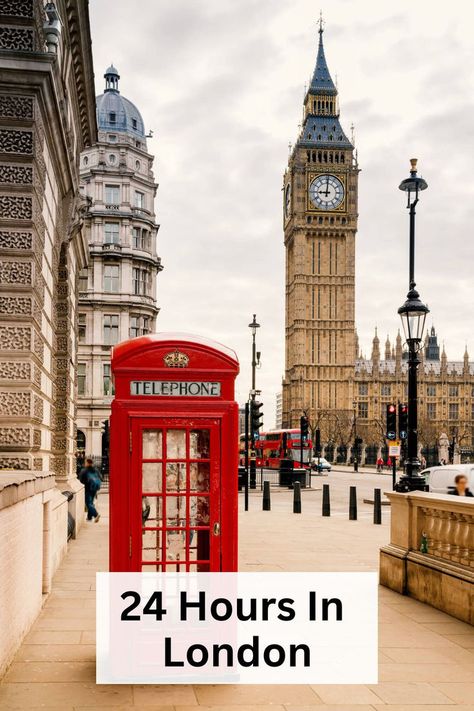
47, 116
431, 552
33, 521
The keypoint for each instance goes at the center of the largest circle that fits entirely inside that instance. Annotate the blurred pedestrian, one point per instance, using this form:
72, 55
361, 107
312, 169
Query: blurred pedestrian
460, 486
89, 476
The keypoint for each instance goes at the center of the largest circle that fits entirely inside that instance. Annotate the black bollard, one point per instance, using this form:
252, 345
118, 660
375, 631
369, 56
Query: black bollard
352, 504
377, 506
266, 496
296, 497
326, 501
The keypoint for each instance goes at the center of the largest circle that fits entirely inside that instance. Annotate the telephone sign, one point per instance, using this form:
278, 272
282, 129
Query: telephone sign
173, 455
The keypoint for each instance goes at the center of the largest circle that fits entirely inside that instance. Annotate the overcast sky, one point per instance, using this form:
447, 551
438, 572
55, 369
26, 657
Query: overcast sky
221, 82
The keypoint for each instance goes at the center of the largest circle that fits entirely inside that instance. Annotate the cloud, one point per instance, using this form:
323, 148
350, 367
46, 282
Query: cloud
221, 83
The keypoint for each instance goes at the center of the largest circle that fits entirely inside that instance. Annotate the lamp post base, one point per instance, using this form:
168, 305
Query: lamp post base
413, 482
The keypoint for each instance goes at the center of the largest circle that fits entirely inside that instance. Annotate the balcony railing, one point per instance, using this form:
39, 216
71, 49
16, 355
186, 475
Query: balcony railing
111, 247
431, 551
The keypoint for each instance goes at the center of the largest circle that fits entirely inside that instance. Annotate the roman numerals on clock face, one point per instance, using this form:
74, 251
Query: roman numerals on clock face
326, 192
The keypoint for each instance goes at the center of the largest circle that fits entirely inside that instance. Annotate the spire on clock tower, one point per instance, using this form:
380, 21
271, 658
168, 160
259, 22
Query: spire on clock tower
321, 80
321, 125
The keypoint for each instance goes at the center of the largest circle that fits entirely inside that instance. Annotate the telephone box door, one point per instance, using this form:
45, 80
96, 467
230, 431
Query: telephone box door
175, 494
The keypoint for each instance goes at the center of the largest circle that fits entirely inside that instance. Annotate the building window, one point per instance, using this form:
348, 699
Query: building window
111, 329
141, 282
141, 239
112, 117
111, 278
363, 410
363, 389
386, 390
112, 194
112, 233
431, 410
453, 411
112, 138
134, 122
112, 159
81, 378
81, 328
139, 325
453, 391
83, 280
109, 389
431, 390
139, 200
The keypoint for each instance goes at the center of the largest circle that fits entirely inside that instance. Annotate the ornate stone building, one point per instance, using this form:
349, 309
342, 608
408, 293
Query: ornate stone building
117, 291
320, 224
445, 395
47, 117
325, 374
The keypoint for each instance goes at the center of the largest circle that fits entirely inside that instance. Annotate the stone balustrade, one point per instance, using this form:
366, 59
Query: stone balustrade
431, 551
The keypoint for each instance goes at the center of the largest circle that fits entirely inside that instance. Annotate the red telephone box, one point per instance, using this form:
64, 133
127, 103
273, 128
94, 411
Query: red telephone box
173, 455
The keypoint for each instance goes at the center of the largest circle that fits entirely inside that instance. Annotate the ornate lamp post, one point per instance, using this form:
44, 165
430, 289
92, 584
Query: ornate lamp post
413, 314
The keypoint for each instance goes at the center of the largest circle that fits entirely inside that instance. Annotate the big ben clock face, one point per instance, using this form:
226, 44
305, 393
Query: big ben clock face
326, 192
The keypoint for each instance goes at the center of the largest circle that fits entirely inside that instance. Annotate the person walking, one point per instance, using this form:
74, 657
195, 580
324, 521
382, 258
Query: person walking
379, 465
89, 476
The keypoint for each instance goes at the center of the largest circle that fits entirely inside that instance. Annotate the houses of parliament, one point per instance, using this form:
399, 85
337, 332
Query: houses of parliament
326, 376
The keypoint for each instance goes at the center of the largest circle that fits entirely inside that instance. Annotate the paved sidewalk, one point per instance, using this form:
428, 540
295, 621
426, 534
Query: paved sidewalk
426, 656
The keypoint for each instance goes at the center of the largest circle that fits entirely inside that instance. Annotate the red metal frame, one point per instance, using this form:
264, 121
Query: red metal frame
143, 359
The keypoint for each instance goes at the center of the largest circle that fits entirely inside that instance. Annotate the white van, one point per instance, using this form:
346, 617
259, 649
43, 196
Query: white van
440, 479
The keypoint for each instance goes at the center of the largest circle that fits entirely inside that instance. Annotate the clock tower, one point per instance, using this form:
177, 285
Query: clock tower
320, 224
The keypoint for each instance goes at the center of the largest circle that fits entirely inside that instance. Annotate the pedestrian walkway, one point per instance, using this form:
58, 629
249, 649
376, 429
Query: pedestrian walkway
426, 656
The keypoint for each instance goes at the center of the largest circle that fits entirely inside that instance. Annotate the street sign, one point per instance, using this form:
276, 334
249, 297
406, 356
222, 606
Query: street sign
394, 449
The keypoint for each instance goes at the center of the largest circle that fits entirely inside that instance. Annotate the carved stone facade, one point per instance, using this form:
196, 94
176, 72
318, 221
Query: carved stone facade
320, 224
117, 296
47, 117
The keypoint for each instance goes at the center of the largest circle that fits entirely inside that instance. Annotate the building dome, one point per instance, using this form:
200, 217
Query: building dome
114, 111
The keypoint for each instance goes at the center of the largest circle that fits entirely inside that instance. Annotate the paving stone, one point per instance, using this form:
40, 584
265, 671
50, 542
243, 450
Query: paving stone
409, 693
334, 694
459, 693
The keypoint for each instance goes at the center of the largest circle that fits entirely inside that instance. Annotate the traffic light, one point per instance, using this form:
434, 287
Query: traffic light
304, 427
391, 422
255, 417
402, 420
317, 441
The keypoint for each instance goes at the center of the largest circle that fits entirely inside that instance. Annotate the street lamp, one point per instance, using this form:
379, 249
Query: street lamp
413, 314
356, 444
255, 361
255, 356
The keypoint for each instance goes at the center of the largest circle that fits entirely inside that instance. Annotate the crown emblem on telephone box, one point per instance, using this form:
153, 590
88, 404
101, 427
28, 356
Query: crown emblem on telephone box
175, 359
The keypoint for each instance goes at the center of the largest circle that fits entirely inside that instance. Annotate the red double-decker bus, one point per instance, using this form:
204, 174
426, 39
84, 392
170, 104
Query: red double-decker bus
272, 447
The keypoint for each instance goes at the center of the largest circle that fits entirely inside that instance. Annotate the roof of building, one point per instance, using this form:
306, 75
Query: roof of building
456, 367
114, 111
321, 79
320, 128
324, 130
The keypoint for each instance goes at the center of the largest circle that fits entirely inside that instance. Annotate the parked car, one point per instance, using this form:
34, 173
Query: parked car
440, 479
320, 464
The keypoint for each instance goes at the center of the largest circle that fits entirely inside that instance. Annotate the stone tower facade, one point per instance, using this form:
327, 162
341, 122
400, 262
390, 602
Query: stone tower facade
47, 104
320, 225
117, 291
